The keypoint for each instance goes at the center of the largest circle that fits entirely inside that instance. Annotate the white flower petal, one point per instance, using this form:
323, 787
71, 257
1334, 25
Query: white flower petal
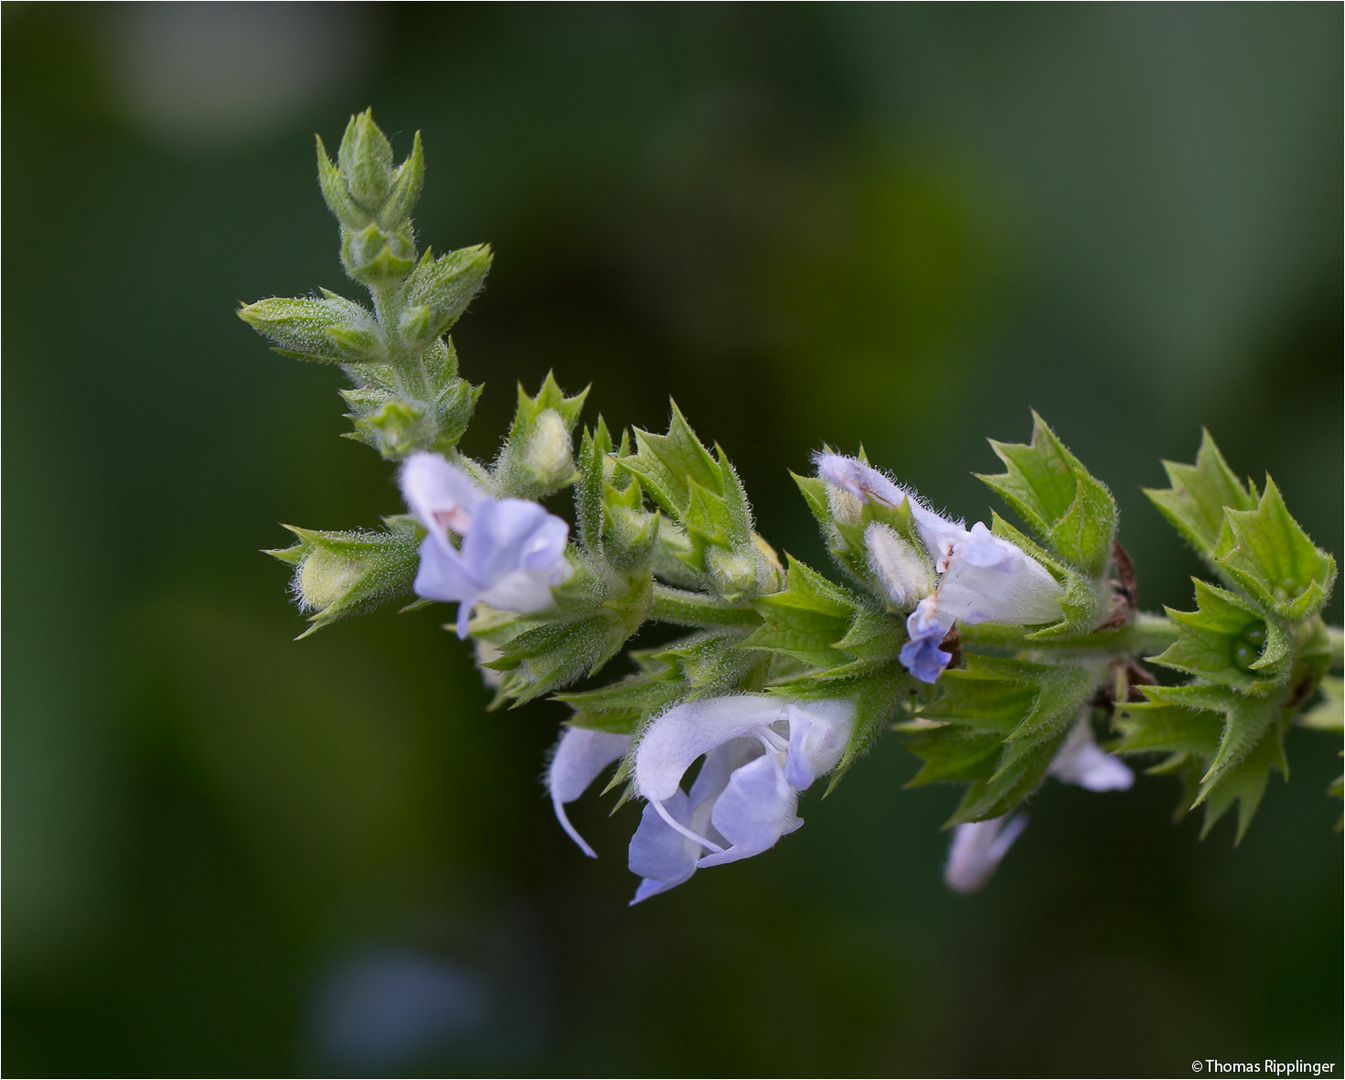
440, 494
755, 810
818, 736
977, 849
580, 756
1081, 761
658, 853
991, 580
682, 734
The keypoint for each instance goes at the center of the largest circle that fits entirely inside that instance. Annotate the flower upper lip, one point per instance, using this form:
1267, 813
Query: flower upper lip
746, 793
512, 550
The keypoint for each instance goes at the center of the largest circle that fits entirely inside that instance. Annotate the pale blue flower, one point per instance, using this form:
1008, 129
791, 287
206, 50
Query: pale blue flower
982, 578
760, 752
978, 846
579, 757
512, 550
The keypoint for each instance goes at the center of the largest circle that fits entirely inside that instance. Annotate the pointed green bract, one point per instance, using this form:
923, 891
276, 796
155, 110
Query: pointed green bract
704, 497
1027, 708
1073, 513
1246, 719
952, 753
1245, 783
1267, 552
1229, 640
1197, 497
1082, 603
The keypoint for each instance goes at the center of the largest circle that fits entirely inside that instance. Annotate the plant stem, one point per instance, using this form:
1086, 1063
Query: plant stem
696, 609
1147, 635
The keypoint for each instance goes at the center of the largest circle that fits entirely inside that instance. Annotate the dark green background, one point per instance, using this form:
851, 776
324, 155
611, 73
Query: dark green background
897, 225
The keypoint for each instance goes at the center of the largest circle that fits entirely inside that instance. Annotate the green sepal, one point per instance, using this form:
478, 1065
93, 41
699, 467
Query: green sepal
377, 258
335, 192
329, 330
537, 457
1267, 552
1072, 512
1197, 495
365, 161
807, 620
404, 192
697, 666
341, 573
1229, 640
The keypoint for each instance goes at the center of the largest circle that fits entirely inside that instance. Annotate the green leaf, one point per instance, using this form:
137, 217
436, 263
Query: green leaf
1267, 552
1229, 640
1198, 494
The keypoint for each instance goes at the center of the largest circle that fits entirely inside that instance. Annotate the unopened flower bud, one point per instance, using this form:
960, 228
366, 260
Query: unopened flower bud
903, 569
732, 573
548, 452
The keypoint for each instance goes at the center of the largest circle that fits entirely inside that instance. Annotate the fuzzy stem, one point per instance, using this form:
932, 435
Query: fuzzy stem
1146, 636
696, 609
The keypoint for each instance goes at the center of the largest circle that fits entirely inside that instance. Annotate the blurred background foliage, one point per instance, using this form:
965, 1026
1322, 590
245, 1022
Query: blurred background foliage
229, 853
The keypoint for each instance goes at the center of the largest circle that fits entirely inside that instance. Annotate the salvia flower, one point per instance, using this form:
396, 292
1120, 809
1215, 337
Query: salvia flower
512, 550
579, 757
760, 752
978, 846
981, 577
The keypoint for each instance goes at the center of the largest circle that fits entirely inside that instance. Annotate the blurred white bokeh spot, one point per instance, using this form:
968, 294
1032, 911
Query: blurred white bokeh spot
209, 75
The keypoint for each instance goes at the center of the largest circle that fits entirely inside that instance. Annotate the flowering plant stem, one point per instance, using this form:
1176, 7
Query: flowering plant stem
999, 654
